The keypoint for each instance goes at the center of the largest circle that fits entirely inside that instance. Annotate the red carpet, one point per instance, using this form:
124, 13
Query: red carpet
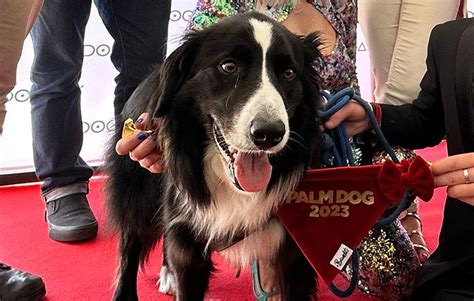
85, 271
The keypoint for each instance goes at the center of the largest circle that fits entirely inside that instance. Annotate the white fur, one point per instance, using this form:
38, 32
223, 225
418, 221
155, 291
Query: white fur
261, 245
233, 211
167, 282
266, 98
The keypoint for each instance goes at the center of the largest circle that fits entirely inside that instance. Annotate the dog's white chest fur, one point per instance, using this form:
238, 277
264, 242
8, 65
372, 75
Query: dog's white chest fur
233, 213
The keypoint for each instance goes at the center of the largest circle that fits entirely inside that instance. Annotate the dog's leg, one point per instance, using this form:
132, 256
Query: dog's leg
297, 277
129, 249
189, 262
167, 282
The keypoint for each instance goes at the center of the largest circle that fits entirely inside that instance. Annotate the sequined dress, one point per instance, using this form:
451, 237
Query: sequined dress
337, 70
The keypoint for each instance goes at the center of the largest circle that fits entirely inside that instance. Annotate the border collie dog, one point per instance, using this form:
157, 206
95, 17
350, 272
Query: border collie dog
237, 103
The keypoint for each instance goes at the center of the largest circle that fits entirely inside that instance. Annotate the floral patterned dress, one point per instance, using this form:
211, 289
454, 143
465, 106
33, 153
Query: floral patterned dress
337, 70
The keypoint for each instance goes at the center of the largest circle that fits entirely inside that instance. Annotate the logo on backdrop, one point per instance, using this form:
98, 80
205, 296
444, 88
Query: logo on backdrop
98, 126
177, 15
20, 95
100, 50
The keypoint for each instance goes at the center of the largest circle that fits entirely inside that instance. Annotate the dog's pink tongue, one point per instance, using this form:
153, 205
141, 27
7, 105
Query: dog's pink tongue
252, 171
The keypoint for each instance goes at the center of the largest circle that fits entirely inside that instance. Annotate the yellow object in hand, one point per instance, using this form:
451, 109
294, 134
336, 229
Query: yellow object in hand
129, 128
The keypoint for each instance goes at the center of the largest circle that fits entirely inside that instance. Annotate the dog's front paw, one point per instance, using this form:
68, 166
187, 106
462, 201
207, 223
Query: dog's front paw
167, 282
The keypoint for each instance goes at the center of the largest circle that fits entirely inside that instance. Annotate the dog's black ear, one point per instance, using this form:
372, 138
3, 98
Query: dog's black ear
312, 42
312, 97
173, 73
311, 78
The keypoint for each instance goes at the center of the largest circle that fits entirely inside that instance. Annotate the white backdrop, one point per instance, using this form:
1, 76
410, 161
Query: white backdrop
97, 91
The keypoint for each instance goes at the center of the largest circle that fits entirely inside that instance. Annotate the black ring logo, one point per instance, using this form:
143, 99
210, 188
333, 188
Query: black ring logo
103, 50
98, 126
111, 125
85, 127
100, 50
21, 95
176, 15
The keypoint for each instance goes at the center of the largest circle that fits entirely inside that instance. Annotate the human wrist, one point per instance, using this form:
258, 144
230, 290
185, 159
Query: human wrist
377, 110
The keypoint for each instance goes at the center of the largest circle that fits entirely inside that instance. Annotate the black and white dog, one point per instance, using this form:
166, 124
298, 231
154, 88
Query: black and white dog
238, 102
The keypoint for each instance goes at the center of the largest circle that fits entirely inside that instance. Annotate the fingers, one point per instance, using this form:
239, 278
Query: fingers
453, 177
338, 117
453, 163
469, 201
142, 121
127, 144
140, 146
143, 149
147, 155
461, 191
156, 168
152, 162
354, 117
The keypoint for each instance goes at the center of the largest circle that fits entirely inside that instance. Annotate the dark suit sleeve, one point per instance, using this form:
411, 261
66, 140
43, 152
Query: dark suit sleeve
420, 124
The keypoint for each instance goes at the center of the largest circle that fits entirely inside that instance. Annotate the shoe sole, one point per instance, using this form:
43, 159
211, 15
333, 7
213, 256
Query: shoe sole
75, 234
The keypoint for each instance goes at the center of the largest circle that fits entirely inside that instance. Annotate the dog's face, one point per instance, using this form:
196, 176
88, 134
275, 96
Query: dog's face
245, 86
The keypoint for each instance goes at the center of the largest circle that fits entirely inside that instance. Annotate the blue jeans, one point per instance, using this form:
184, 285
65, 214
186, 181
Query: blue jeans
139, 29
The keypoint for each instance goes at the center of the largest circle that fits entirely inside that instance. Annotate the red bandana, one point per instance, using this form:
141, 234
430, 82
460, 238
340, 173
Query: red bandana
334, 208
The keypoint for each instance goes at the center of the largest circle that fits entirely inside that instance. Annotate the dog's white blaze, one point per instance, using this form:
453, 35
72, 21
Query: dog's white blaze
266, 100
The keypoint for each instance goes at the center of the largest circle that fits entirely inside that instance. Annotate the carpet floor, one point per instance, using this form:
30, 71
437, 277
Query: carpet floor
85, 271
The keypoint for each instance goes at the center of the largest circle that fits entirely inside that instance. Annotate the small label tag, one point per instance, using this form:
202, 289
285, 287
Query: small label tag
341, 257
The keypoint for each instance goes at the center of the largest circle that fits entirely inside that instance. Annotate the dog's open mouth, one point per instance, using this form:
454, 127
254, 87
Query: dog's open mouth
248, 171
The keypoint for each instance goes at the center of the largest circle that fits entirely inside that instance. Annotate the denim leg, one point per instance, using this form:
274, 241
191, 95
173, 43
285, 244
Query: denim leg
139, 29
58, 37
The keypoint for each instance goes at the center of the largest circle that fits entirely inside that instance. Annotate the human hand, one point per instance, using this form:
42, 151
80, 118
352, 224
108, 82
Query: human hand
354, 117
141, 146
451, 172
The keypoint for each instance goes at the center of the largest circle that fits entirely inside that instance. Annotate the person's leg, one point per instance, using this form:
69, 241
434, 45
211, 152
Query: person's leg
55, 95
379, 23
15, 284
417, 19
407, 65
58, 36
14, 20
139, 29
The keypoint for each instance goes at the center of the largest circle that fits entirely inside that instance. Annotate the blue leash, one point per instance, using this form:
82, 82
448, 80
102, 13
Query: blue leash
337, 146
341, 151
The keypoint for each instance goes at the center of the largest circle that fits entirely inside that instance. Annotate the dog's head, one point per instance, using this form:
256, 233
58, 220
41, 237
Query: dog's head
245, 86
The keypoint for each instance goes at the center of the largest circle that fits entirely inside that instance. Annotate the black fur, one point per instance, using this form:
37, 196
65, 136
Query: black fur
188, 89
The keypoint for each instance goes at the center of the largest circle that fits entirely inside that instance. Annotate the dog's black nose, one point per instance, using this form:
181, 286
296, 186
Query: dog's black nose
266, 134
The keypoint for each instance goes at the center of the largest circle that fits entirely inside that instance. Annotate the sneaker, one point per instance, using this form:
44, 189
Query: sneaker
71, 219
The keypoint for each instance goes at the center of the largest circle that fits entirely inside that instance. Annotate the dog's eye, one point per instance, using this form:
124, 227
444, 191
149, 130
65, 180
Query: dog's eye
289, 74
228, 67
